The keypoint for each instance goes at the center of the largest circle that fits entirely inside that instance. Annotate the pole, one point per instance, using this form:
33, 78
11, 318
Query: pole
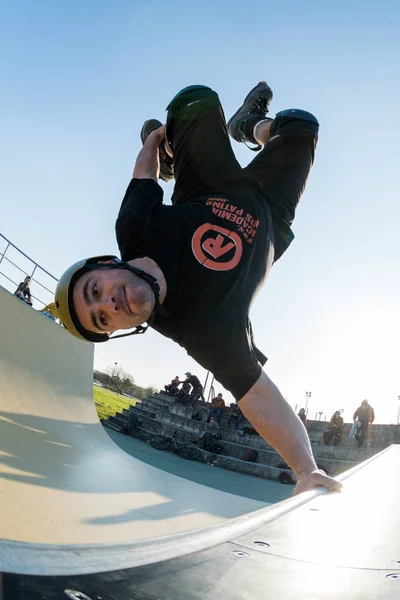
211, 389
308, 395
4, 253
398, 414
205, 383
112, 378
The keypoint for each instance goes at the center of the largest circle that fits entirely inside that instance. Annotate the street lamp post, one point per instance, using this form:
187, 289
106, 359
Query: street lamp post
112, 377
398, 414
308, 396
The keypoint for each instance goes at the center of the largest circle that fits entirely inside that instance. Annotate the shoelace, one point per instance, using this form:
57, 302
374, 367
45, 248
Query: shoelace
261, 105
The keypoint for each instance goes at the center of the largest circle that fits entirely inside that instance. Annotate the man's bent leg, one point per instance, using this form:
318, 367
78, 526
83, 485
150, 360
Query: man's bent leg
204, 161
281, 169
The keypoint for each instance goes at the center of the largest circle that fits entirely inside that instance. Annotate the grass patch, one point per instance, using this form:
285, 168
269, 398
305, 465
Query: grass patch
108, 402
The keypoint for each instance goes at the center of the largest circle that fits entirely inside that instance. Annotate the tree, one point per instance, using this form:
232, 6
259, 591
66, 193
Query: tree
119, 380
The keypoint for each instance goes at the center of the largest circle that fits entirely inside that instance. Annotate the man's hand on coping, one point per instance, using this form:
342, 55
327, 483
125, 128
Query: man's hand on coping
317, 478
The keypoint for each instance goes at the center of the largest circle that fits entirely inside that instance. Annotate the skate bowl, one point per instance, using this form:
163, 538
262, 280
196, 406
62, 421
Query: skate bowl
82, 519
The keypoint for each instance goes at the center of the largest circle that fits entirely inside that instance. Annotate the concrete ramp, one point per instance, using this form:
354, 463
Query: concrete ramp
81, 519
62, 480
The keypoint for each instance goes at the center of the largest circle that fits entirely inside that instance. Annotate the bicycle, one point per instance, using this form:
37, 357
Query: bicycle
163, 442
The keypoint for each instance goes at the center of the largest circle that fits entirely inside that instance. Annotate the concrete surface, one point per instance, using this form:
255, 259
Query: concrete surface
263, 490
62, 479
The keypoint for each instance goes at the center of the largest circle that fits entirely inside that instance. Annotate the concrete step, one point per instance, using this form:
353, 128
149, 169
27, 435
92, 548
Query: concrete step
335, 456
165, 419
156, 426
174, 416
143, 410
118, 420
112, 425
375, 438
343, 453
225, 462
162, 396
232, 456
249, 468
178, 409
378, 436
331, 465
155, 405
160, 400
179, 422
160, 415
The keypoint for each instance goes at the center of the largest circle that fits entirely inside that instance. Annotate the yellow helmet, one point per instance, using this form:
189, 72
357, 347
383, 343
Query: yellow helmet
65, 288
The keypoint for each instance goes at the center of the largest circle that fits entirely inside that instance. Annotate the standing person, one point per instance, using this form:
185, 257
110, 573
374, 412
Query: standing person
335, 429
217, 406
302, 416
365, 414
23, 291
197, 388
192, 270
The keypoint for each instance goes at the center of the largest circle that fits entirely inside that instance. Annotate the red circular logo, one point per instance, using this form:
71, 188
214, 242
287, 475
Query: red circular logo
217, 248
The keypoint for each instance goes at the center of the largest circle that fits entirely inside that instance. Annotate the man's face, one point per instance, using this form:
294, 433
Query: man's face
106, 300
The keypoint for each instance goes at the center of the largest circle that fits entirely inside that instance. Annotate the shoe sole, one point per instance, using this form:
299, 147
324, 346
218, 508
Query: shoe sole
261, 83
156, 123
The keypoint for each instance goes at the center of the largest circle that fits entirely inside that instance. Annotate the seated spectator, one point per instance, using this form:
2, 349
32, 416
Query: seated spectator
303, 417
23, 291
235, 413
50, 311
217, 404
172, 388
210, 432
335, 429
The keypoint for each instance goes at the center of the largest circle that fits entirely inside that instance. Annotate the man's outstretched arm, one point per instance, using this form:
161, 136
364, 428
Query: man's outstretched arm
276, 422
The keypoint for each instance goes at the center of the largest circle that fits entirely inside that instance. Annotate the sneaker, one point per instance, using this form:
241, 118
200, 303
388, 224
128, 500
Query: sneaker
166, 162
253, 110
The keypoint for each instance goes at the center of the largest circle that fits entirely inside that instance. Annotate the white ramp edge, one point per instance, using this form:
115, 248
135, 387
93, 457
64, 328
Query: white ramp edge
71, 501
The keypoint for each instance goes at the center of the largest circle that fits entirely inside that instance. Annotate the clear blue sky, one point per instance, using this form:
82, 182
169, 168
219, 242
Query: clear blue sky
78, 79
